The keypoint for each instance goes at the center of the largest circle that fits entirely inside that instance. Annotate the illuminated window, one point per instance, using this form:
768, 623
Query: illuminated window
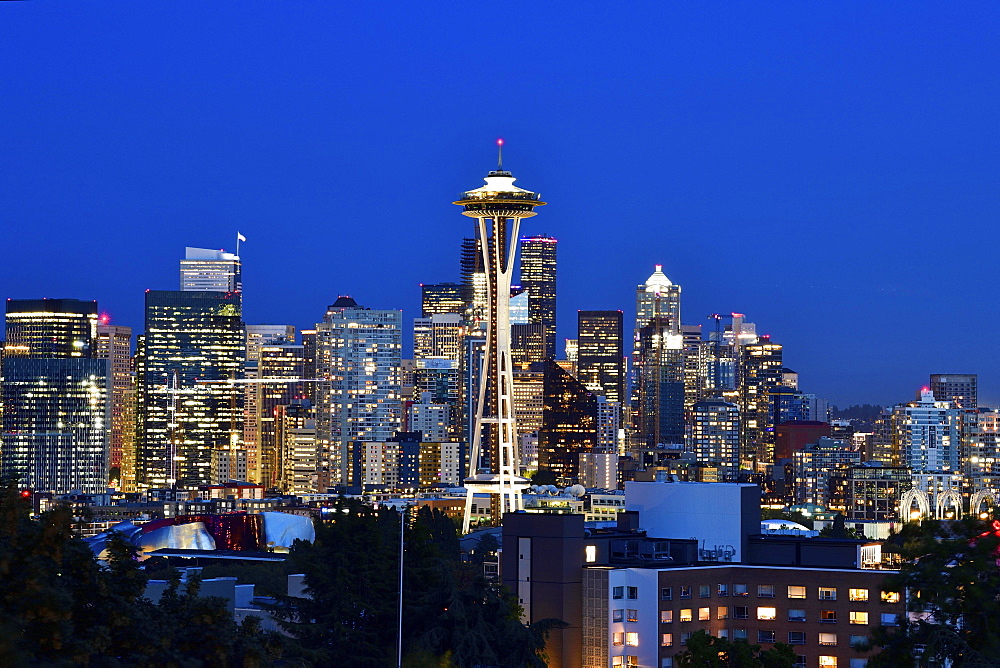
631, 615
859, 617
828, 616
666, 616
766, 613
685, 615
765, 591
704, 614
890, 597
632, 639
722, 612
827, 594
590, 554
795, 591
827, 638
666, 639
618, 638
858, 594
826, 661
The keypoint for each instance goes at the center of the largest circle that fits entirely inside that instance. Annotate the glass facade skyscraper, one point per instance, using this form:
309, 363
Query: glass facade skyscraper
204, 269
190, 336
538, 277
56, 415
600, 361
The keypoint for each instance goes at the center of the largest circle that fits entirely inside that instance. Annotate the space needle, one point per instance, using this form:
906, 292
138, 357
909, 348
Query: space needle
494, 466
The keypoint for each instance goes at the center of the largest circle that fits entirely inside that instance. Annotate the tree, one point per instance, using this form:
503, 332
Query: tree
707, 650
950, 574
839, 529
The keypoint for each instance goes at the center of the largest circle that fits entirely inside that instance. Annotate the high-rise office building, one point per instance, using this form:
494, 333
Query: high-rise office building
527, 344
760, 372
262, 335
600, 363
299, 448
538, 278
278, 364
959, 388
816, 463
714, 433
359, 355
442, 298
207, 270
57, 413
114, 343
257, 337
569, 423
474, 282
658, 363
193, 347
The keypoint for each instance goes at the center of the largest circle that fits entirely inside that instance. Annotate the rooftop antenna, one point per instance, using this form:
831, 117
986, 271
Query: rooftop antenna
500, 155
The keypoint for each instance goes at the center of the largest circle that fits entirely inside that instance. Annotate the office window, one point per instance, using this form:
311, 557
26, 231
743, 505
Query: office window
722, 612
632, 639
633, 592
859, 641
796, 615
618, 661
796, 637
685, 637
704, 591
739, 634
631, 661
796, 591
631, 615
618, 638
666, 594
666, 639
859, 663
666, 616
685, 591
741, 612
765, 636
857, 594
890, 619
828, 616
828, 662
890, 597
765, 591
590, 553
827, 638
704, 614
859, 617
618, 592
724, 633
766, 613
827, 593
740, 590
685, 615
722, 590
618, 615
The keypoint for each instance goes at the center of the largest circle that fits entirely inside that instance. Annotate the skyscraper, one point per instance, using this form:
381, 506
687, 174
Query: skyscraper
538, 277
359, 355
193, 347
442, 298
279, 363
658, 363
114, 343
927, 434
600, 360
569, 423
56, 415
714, 433
760, 371
204, 269
498, 208
960, 388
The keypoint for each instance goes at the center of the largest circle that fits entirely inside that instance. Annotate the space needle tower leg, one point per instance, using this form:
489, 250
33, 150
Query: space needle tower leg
498, 208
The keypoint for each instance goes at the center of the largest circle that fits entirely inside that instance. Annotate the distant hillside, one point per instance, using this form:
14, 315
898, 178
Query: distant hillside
862, 415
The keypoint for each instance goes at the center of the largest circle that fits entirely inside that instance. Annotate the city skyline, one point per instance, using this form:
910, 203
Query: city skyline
823, 171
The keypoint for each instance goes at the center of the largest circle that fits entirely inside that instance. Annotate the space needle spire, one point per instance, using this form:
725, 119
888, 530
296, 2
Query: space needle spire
494, 466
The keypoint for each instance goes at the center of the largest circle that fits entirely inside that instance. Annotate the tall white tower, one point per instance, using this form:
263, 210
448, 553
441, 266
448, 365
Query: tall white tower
498, 208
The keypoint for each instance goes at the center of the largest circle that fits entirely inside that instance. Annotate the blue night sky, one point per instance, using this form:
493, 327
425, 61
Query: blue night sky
829, 169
